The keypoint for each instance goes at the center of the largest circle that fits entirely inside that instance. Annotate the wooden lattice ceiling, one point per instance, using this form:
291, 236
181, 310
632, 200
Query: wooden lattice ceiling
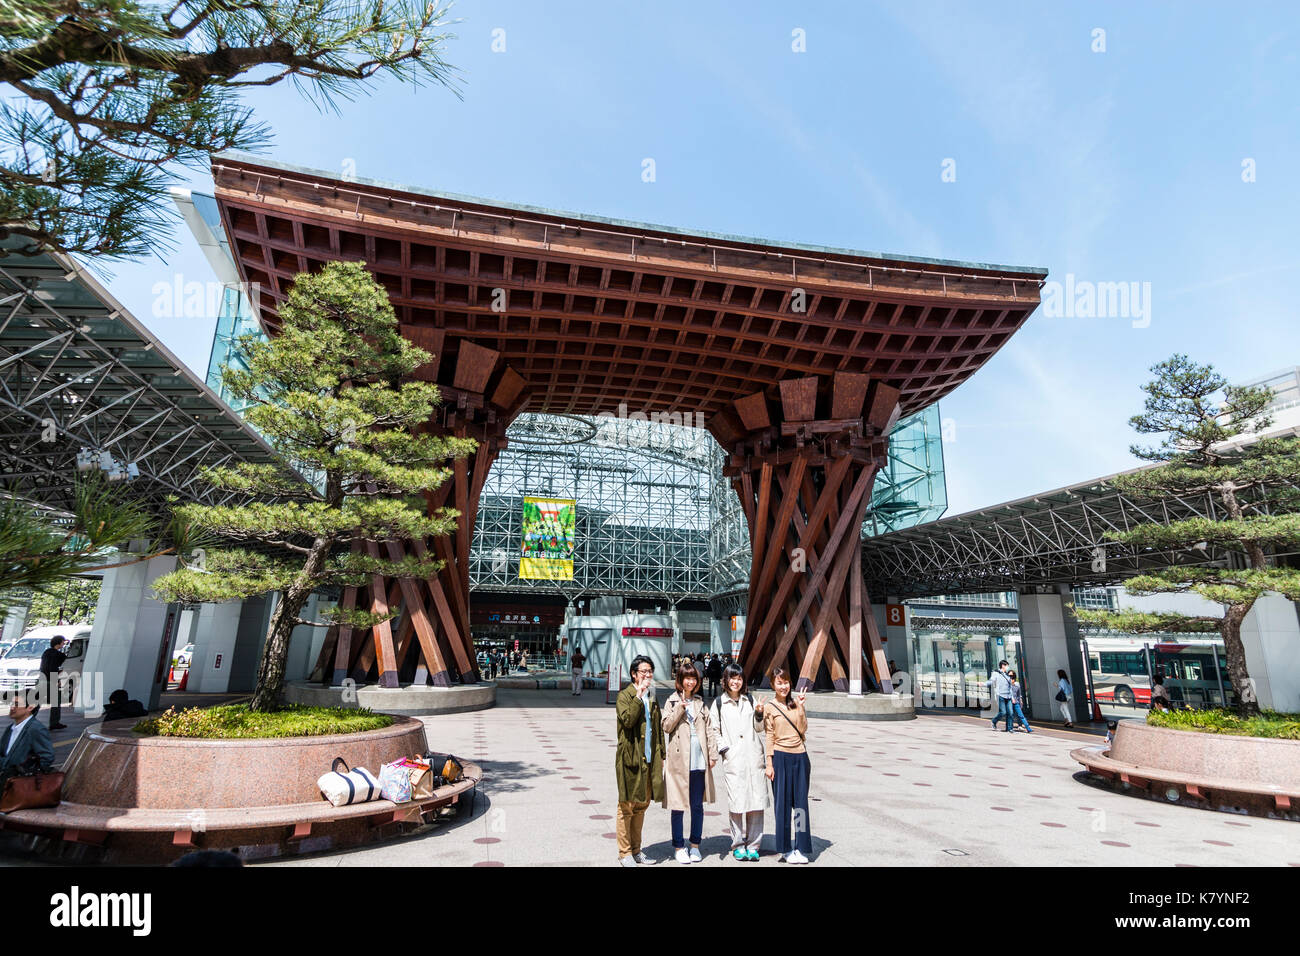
590, 313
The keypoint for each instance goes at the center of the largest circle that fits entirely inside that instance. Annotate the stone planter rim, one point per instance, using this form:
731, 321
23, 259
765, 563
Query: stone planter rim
400, 725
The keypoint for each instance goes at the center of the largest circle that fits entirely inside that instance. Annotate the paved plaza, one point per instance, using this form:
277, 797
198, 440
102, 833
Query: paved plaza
941, 790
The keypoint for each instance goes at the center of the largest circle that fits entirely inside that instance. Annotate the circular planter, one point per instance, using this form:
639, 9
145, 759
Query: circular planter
112, 766
841, 706
415, 700
1262, 761
1256, 775
138, 799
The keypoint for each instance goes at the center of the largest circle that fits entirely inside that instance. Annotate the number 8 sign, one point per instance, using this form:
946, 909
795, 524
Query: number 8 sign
894, 615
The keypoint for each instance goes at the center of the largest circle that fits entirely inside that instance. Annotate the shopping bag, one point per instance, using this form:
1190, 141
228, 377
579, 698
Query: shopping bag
395, 782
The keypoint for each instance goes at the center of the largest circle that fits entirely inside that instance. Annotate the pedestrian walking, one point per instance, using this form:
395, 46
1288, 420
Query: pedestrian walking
715, 674
575, 666
51, 664
785, 745
1064, 695
1016, 698
737, 724
1000, 686
638, 759
690, 752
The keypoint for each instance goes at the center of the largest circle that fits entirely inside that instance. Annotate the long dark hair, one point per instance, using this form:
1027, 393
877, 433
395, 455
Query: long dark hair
789, 701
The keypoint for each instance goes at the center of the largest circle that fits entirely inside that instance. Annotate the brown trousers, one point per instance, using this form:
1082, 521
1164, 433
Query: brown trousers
631, 816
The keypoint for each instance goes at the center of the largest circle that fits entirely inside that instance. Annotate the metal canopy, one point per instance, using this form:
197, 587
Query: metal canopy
1057, 537
77, 371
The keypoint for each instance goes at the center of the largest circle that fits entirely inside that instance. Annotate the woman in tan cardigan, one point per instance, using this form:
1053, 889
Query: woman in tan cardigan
690, 751
786, 724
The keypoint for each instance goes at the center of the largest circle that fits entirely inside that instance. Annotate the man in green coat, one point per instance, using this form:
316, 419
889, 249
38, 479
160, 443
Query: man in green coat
638, 759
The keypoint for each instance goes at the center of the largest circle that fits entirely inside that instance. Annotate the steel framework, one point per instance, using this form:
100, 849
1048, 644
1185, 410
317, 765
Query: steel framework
1057, 537
643, 491
80, 375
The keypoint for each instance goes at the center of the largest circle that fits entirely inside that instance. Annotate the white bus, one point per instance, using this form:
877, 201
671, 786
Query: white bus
1120, 672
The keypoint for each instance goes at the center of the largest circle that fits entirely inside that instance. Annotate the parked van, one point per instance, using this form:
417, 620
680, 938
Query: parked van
20, 668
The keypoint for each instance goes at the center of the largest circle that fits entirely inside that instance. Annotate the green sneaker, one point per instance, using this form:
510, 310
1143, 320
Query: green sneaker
751, 855
739, 854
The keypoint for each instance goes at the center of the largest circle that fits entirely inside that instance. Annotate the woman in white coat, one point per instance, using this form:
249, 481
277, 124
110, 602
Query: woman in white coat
737, 726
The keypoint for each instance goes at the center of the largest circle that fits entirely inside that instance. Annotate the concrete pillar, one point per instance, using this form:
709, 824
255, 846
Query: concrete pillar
214, 642
306, 642
15, 617
254, 618
1050, 640
897, 638
1271, 636
131, 640
736, 628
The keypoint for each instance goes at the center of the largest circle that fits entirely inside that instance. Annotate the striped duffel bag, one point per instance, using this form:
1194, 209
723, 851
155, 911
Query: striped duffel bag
342, 787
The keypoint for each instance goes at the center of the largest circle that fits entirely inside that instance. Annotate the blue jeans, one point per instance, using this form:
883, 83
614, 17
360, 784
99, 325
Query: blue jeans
1004, 710
1020, 716
790, 793
697, 813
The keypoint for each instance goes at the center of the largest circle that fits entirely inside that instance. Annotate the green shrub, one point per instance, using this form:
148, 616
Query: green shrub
233, 721
1269, 723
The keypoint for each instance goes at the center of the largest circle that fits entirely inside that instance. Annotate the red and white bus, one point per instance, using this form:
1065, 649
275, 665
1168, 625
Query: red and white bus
1120, 672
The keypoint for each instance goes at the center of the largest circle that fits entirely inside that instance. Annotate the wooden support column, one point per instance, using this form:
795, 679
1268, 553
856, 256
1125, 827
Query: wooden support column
804, 466
343, 650
855, 621
383, 631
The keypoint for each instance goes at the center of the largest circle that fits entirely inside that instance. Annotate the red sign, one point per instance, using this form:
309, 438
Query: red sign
894, 615
647, 632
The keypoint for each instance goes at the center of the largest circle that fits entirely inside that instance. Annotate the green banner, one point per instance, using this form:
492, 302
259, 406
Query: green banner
548, 539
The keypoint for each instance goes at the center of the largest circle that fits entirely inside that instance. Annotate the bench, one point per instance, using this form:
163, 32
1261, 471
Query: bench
1099, 761
87, 824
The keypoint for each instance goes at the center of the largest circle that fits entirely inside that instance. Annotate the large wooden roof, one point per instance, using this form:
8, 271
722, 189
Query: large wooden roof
588, 313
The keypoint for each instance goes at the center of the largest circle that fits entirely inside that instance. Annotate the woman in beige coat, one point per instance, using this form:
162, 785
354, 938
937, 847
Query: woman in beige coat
690, 751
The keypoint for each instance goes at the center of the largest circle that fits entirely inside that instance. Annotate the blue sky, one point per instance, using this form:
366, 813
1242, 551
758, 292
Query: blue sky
1117, 166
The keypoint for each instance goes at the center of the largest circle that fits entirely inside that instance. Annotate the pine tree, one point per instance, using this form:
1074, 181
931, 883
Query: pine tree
41, 550
104, 98
329, 392
1254, 480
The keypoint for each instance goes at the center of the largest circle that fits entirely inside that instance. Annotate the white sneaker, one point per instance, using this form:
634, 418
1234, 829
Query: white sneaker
627, 861
796, 857
682, 856
644, 860
695, 855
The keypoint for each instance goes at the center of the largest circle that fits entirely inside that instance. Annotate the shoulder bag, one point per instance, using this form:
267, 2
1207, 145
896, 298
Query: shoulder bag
32, 789
781, 710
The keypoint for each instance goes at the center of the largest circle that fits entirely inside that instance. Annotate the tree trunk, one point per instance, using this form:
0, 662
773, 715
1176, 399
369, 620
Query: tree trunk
1236, 654
275, 650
